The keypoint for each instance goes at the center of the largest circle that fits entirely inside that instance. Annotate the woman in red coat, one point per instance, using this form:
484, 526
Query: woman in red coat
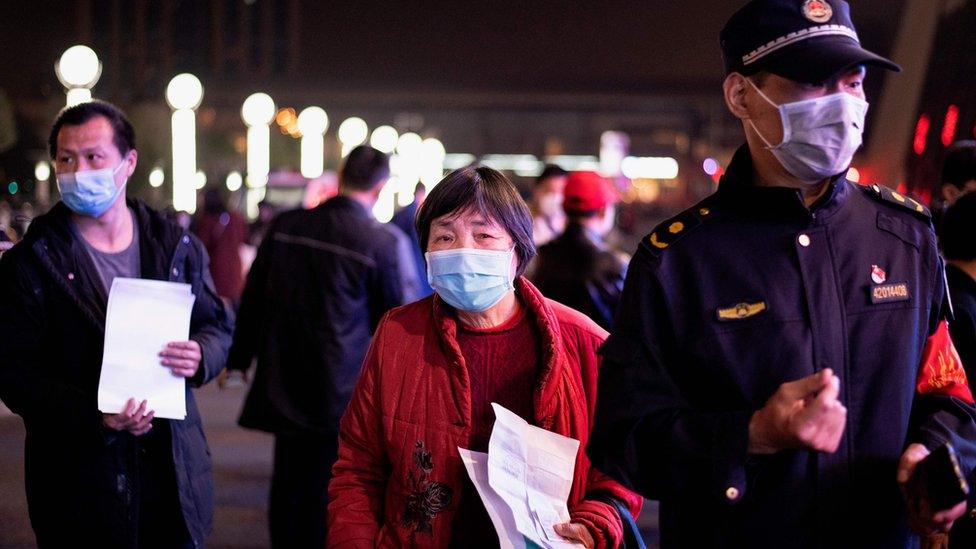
435, 366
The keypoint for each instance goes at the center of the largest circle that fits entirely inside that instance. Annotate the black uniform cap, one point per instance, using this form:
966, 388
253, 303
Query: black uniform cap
806, 41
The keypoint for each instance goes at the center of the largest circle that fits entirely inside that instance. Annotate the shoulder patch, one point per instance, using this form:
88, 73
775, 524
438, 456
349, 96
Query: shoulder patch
668, 232
886, 194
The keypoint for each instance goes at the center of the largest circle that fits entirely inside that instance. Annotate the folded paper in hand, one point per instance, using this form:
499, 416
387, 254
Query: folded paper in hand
524, 481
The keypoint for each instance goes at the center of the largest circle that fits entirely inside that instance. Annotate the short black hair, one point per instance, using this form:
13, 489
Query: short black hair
551, 170
959, 229
959, 166
364, 169
124, 135
488, 192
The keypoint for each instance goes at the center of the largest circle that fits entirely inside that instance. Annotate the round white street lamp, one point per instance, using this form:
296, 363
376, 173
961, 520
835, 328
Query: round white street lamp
257, 112
156, 177
351, 133
313, 122
184, 94
234, 181
78, 70
384, 139
432, 156
42, 173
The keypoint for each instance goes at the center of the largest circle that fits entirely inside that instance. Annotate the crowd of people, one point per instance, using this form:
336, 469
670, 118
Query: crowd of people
772, 364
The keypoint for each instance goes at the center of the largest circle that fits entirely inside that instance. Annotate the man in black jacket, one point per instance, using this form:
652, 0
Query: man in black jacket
318, 287
577, 268
126, 479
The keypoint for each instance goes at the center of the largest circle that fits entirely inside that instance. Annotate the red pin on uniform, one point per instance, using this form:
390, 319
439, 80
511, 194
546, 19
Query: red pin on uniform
878, 275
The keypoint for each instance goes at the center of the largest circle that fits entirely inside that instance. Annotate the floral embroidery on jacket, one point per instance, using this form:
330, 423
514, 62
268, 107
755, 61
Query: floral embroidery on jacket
427, 498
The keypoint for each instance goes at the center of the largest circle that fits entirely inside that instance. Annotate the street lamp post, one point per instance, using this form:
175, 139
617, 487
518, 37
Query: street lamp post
184, 94
313, 122
257, 112
351, 133
78, 70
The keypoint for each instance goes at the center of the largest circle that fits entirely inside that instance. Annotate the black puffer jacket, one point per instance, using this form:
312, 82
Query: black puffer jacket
318, 287
80, 475
580, 272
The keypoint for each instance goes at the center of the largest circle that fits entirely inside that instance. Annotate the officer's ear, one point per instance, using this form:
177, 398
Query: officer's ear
734, 89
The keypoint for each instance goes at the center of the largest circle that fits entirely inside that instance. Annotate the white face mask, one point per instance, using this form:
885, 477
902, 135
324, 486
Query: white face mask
820, 135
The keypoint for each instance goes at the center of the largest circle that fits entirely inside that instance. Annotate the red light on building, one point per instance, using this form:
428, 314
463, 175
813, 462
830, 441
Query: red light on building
921, 133
949, 127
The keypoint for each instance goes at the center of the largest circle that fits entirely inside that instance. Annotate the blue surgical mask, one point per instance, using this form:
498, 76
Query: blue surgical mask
471, 280
90, 192
820, 135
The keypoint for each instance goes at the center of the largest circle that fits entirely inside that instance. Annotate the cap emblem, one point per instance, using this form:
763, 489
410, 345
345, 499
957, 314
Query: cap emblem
818, 11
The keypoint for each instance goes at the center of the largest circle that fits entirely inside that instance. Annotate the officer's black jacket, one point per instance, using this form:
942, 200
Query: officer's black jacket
743, 292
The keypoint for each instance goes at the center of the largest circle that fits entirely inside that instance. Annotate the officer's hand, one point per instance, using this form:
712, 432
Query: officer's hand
922, 518
801, 414
182, 357
132, 419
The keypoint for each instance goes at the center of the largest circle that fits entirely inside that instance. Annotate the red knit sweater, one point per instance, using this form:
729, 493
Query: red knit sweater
502, 365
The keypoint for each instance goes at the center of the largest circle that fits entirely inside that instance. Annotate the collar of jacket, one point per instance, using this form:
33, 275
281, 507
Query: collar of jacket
67, 262
341, 202
551, 351
737, 190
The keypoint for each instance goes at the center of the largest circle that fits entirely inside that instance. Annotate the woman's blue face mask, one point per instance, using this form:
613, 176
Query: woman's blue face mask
469, 279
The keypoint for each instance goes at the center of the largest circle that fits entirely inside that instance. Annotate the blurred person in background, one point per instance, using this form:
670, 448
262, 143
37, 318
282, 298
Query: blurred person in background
405, 220
959, 249
958, 177
434, 368
548, 219
223, 232
781, 360
578, 268
321, 281
959, 171
7, 234
122, 479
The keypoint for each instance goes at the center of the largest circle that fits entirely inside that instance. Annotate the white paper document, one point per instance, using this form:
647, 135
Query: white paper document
501, 515
531, 471
142, 317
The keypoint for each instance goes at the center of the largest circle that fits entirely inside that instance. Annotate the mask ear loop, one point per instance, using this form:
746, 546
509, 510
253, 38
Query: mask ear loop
765, 141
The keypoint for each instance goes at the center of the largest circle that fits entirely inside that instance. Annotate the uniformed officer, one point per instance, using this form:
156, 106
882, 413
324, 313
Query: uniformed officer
781, 361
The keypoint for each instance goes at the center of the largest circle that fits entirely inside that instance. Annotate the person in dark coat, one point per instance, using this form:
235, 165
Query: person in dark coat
959, 249
577, 268
114, 480
781, 359
321, 281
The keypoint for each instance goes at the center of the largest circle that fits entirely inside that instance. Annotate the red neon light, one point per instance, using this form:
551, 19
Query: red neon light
921, 133
949, 127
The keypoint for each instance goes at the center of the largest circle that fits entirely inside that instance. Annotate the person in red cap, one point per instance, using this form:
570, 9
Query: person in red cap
577, 268
781, 360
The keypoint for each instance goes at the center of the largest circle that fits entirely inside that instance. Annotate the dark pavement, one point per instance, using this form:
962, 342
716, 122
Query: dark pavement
242, 471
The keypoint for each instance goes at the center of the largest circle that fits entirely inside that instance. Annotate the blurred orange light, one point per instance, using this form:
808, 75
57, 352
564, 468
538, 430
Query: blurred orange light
854, 175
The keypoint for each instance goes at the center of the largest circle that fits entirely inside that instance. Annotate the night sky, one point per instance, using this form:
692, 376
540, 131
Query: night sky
618, 47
